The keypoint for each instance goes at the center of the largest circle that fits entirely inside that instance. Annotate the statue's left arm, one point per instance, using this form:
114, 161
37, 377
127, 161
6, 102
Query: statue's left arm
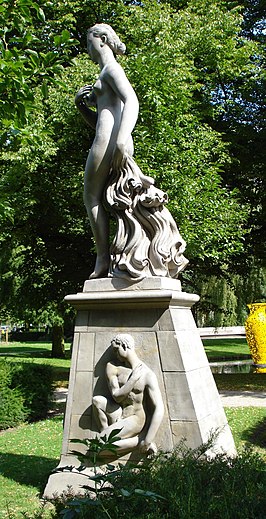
156, 417
116, 78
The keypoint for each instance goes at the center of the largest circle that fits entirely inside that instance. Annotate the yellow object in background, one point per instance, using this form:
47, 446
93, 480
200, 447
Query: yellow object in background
256, 335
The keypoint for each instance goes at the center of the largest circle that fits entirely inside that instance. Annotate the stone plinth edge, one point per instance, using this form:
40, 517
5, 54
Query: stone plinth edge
111, 284
157, 292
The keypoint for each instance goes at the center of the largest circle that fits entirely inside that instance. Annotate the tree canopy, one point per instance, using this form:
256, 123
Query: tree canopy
196, 67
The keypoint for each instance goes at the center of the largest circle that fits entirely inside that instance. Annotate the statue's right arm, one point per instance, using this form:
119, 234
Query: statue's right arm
120, 393
89, 116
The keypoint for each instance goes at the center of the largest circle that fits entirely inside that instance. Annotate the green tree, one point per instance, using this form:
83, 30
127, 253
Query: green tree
181, 59
45, 247
27, 70
24, 64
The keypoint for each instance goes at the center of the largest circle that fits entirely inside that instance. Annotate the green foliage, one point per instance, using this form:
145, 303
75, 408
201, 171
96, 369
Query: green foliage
174, 138
196, 67
96, 447
12, 410
37, 272
25, 392
37, 448
180, 485
35, 385
224, 299
102, 483
23, 65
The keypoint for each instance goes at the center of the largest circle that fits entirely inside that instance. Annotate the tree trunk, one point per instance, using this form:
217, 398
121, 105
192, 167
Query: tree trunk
58, 345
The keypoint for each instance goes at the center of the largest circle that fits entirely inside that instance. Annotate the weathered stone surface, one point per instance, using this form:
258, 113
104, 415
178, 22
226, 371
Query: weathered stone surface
195, 433
85, 360
82, 391
192, 395
113, 284
178, 351
167, 341
122, 319
147, 242
81, 324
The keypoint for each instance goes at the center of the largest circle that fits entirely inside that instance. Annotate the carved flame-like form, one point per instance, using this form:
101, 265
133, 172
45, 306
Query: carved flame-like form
147, 241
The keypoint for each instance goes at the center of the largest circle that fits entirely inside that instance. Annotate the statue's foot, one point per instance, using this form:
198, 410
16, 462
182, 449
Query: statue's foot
101, 268
149, 449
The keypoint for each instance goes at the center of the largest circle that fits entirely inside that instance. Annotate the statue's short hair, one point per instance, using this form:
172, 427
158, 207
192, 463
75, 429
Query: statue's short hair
125, 339
112, 40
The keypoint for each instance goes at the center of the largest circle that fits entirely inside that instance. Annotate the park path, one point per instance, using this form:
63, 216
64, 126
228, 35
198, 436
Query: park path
228, 398
243, 398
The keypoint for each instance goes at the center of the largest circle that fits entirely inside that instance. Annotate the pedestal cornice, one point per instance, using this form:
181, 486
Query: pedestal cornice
151, 293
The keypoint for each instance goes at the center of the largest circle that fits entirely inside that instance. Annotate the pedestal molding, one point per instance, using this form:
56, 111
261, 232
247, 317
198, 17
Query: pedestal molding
131, 298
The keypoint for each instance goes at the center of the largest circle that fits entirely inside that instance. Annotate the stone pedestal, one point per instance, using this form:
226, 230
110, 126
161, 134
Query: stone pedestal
158, 316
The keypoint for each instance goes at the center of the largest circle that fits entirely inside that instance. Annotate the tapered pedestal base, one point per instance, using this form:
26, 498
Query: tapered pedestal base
158, 316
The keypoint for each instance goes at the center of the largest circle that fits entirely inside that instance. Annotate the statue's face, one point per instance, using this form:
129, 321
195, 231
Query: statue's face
120, 349
94, 44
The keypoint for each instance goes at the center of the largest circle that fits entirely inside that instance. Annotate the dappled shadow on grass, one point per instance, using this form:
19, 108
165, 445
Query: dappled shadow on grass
15, 351
27, 469
31, 353
223, 355
256, 434
240, 381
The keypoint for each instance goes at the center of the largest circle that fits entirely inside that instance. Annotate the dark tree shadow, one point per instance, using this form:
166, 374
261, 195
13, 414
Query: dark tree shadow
27, 469
19, 351
30, 352
256, 434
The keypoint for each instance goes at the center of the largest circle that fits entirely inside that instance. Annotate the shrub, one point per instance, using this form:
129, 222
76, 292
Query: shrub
25, 392
5, 374
182, 485
35, 383
12, 410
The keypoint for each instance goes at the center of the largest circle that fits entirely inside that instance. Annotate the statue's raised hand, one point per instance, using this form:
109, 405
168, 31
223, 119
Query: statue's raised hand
85, 95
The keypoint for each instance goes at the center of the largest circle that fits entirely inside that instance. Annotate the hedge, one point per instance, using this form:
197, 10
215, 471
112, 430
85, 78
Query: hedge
25, 392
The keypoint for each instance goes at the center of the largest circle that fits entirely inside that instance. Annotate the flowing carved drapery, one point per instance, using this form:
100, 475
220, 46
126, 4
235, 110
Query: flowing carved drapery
147, 241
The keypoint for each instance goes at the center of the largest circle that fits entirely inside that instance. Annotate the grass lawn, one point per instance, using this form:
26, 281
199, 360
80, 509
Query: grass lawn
219, 349
248, 426
27, 456
38, 353
226, 349
230, 349
241, 381
30, 452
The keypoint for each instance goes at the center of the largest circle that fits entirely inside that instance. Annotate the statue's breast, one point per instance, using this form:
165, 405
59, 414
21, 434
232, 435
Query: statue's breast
98, 87
123, 375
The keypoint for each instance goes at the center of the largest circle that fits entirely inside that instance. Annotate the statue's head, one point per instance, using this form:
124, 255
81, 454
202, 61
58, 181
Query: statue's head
122, 343
109, 36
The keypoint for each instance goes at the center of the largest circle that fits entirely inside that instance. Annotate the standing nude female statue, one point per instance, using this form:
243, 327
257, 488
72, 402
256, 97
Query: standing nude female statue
116, 116
147, 241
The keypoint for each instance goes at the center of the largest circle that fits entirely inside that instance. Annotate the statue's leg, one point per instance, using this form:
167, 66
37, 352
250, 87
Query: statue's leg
99, 409
130, 427
96, 174
105, 411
